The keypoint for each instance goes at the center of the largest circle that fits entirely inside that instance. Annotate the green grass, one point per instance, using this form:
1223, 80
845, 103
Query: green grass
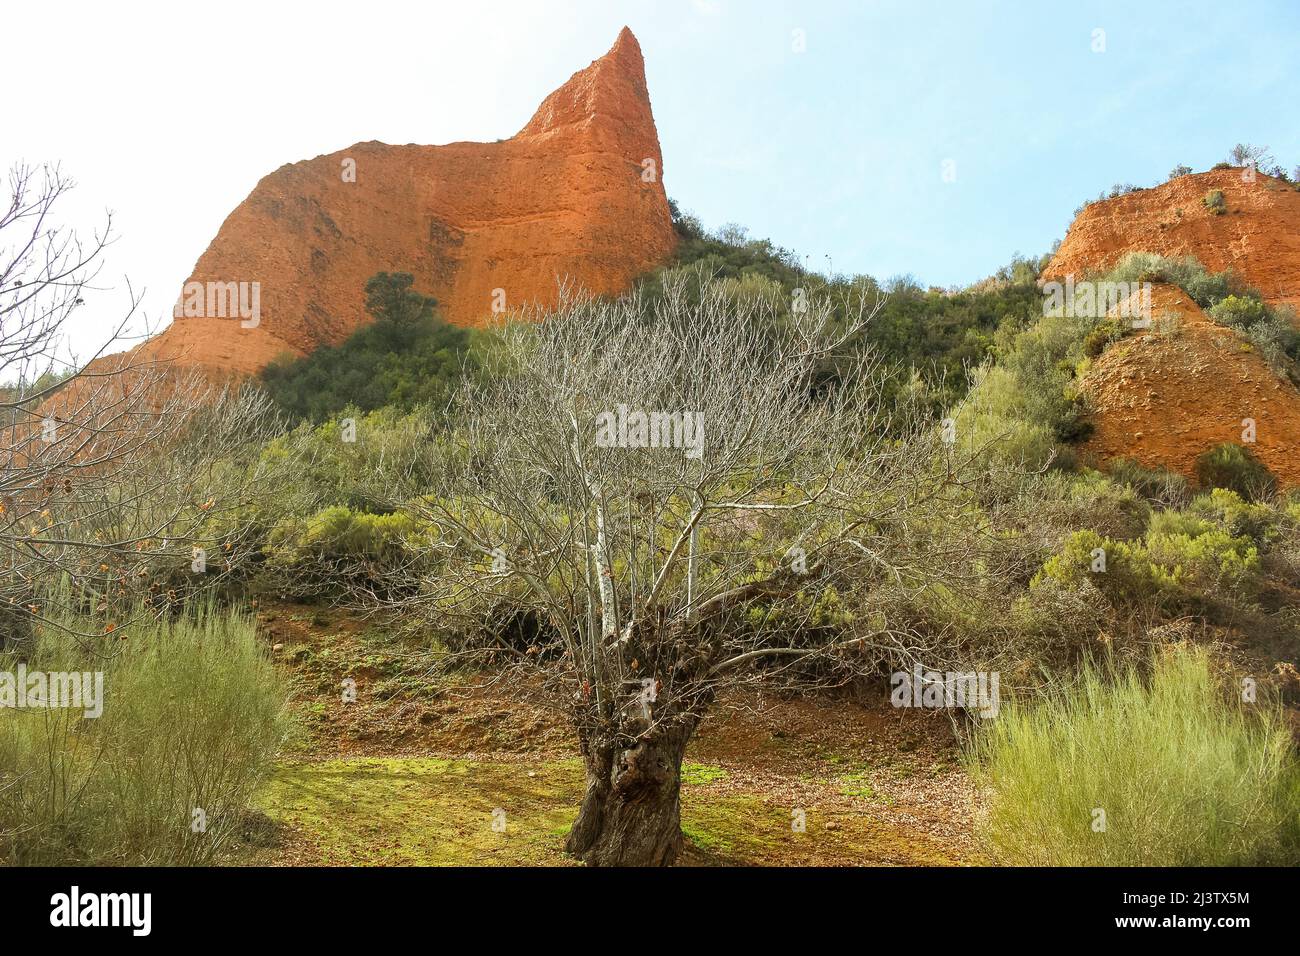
431, 812
741, 827
1184, 775
426, 811
695, 774
856, 785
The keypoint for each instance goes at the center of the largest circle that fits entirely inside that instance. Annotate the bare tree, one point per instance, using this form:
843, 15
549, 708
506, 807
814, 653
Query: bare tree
665, 499
121, 478
1245, 154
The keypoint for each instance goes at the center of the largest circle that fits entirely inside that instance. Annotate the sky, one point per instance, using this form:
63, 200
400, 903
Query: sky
888, 138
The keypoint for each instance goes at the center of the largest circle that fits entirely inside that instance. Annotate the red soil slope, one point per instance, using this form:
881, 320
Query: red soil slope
1164, 396
1259, 235
577, 194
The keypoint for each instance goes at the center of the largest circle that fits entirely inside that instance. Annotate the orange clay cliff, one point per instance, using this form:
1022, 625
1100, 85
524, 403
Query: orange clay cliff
576, 195
1168, 394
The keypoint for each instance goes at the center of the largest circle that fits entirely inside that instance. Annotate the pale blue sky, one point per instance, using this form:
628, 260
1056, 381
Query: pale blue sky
840, 150
173, 112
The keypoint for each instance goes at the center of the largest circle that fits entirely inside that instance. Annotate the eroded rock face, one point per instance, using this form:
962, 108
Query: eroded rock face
1258, 235
1169, 394
1166, 395
576, 195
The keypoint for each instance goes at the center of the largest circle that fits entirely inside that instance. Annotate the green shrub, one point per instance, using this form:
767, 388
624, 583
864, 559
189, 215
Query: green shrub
1184, 776
407, 357
193, 713
996, 418
1120, 570
1215, 202
1099, 338
1211, 550
1232, 466
1278, 340
389, 447
1240, 312
1231, 512
1271, 330
337, 535
1109, 507
1180, 523
1204, 561
1205, 288
1030, 396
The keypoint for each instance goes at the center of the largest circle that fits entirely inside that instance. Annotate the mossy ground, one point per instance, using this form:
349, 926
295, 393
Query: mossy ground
412, 770
424, 811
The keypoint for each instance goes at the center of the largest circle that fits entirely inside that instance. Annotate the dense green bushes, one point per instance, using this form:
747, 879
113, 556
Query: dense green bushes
1023, 410
192, 714
356, 464
1121, 570
339, 538
406, 357
1120, 770
339, 517
1185, 560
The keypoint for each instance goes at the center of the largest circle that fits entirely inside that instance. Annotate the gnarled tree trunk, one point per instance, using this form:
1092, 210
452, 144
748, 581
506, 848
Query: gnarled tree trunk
631, 813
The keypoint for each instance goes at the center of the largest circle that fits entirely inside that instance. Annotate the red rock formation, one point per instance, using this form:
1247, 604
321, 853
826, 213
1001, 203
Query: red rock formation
577, 194
1258, 236
1166, 395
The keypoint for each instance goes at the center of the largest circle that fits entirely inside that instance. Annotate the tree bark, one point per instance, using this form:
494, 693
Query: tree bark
631, 812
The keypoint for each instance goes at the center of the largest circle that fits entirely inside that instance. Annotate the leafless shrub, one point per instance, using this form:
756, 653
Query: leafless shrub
119, 477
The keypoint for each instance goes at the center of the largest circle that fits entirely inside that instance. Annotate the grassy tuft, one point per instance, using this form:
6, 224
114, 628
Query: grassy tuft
1183, 775
193, 713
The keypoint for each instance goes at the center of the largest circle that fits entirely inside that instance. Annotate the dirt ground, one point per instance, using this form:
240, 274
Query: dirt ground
422, 770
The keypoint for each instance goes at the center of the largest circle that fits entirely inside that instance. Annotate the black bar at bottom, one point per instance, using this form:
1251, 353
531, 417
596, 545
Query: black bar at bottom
342, 906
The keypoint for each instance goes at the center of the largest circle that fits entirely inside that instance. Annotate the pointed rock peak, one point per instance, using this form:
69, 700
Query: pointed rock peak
613, 86
624, 45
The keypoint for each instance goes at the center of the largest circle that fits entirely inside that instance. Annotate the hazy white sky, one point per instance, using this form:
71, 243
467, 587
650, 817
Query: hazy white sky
169, 113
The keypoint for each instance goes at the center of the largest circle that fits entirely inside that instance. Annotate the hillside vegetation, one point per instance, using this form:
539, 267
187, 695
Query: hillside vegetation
916, 493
